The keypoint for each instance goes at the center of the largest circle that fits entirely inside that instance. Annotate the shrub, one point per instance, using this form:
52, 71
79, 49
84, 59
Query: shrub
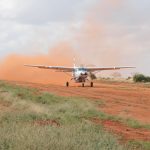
141, 78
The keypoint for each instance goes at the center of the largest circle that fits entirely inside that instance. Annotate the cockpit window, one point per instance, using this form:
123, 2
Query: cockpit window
80, 69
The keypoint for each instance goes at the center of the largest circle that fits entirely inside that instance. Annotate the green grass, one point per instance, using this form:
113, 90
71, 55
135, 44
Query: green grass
24, 106
139, 145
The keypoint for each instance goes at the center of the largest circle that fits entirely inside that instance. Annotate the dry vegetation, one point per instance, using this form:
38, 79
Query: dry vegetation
30, 119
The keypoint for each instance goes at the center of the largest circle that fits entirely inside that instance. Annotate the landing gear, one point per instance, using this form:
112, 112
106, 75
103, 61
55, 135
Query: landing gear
82, 84
67, 84
91, 84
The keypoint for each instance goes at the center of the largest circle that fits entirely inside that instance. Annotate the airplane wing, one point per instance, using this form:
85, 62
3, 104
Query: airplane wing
57, 68
92, 69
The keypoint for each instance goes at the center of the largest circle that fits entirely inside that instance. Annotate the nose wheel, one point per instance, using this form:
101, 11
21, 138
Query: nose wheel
82, 84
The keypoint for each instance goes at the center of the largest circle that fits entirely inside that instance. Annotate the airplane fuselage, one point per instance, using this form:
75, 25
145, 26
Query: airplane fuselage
80, 75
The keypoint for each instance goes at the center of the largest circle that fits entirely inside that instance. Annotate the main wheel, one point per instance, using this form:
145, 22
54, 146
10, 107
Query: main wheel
82, 84
67, 84
91, 84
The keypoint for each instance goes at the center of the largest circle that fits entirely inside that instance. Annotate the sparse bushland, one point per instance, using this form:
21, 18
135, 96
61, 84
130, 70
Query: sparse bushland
141, 78
22, 107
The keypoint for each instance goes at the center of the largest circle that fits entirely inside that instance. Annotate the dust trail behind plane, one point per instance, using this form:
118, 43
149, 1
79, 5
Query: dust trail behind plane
90, 42
12, 67
94, 36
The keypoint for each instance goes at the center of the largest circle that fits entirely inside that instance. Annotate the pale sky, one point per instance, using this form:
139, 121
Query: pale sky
33, 26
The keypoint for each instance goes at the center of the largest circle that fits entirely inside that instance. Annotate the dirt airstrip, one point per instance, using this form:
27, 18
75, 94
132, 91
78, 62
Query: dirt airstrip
126, 100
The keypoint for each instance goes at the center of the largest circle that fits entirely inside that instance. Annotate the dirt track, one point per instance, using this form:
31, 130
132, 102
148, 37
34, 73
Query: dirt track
121, 99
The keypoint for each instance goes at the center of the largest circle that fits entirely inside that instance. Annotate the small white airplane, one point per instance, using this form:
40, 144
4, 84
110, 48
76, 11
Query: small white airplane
79, 74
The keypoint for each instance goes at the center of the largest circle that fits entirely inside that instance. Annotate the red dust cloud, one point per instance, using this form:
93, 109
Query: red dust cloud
12, 67
91, 42
93, 37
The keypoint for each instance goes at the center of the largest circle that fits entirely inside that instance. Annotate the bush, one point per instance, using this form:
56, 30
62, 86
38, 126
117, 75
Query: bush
141, 78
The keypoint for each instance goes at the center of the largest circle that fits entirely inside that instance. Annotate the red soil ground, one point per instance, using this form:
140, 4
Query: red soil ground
126, 133
126, 100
